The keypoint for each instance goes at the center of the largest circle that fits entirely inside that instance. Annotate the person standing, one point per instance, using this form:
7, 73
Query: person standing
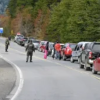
7, 43
46, 50
47, 46
54, 50
30, 48
58, 49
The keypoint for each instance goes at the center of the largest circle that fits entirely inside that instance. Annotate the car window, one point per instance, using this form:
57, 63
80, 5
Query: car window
86, 46
96, 47
66, 45
76, 48
51, 45
72, 46
62, 45
20, 36
35, 41
42, 43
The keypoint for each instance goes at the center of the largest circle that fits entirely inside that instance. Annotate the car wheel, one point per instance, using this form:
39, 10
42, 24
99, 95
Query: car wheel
72, 60
78, 60
81, 66
85, 66
93, 70
64, 57
40, 50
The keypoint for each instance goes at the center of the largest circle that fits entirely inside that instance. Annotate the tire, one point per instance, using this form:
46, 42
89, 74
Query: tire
93, 70
64, 57
81, 66
72, 60
85, 66
78, 60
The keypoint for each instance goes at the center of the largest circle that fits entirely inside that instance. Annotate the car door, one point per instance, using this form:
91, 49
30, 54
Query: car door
64, 48
74, 53
97, 64
84, 52
77, 52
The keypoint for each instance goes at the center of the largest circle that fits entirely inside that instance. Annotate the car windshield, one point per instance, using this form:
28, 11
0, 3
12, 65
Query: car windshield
73, 46
20, 36
43, 43
35, 41
51, 45
96, 47
62, 45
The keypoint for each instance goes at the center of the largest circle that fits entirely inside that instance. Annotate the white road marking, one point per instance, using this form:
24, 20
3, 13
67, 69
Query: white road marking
21, 81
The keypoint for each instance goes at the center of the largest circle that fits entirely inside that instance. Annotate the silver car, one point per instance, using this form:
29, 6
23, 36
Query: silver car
36, 44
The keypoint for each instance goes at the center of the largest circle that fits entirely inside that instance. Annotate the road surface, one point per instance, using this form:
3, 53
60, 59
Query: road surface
52, 79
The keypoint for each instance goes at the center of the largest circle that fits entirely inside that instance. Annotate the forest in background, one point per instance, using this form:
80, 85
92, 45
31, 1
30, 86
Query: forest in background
54, 20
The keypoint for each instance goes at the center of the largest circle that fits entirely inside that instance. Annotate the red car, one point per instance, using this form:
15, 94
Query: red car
67, 50
96, 65
42, 46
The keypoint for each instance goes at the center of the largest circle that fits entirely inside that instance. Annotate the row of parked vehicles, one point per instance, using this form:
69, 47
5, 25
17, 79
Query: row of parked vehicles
87, 54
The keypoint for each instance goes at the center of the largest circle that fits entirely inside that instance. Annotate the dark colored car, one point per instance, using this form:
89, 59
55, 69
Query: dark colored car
96, 64
21, 41
67, 50
88, 55
77, 51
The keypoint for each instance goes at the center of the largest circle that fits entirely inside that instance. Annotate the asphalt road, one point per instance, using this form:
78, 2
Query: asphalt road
7, 78
52, 79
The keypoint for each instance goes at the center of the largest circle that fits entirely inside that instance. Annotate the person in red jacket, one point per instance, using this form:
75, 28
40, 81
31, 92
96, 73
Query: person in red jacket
58, 49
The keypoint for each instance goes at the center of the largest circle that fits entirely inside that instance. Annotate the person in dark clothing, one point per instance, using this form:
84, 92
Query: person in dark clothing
30, 48
9, 38
47, 47
7, 43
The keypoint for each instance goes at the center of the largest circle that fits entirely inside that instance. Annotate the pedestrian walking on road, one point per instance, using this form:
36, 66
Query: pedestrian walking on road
30, 48
7, 43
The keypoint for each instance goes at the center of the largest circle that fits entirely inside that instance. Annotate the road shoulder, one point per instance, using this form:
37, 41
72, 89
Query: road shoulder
11, 81
7, 78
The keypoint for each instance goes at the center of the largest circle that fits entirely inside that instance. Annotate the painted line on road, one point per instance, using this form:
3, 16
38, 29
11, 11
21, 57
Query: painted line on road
19, 82
59, 64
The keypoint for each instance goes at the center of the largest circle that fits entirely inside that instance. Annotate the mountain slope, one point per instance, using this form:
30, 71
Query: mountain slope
3, 5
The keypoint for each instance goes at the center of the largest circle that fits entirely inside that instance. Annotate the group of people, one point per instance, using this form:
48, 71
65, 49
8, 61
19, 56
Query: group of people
56, 52
30, 49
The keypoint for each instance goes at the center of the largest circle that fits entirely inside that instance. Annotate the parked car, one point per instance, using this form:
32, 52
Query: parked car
50, 48
59, 51
77, 51
36, 44
21, 41
18, 37
42, 46
87, 56
96, 64
67, 50
24, 40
